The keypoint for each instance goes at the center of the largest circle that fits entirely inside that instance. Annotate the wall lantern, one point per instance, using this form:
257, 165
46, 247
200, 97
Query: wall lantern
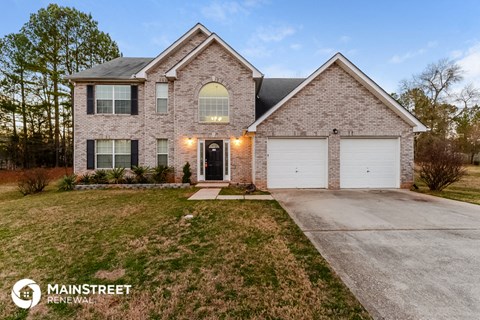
237, 141
189, 141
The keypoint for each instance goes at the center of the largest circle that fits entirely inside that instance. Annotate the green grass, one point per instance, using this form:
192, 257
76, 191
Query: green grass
467, 189
233, 260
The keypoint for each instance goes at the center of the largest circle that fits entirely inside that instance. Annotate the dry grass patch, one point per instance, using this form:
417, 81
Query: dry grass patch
233, 260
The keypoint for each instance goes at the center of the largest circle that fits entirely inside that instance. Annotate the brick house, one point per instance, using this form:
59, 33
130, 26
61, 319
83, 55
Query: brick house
200, 101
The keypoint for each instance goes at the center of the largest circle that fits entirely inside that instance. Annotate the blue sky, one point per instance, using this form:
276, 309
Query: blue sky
388, 40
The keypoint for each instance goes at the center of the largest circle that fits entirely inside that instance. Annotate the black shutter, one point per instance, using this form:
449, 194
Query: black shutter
90, 154
90, 100
134, 153
134, 100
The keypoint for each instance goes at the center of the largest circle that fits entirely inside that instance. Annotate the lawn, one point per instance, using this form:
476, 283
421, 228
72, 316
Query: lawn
233, 260
467, 189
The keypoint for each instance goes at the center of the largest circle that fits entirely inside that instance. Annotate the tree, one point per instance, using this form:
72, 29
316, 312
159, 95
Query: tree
15, 65
427, 95
468, 131
65, 41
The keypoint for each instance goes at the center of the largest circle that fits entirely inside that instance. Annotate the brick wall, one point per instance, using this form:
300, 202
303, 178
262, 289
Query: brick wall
334, 100
181, 120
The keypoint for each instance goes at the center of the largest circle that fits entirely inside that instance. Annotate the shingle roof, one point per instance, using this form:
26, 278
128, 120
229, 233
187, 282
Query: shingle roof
117, 69
272, 91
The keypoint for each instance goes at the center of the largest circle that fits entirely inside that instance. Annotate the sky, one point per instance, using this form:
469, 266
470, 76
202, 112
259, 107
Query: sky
388, 40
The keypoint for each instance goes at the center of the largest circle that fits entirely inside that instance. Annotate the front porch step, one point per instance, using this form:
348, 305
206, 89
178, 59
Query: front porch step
212, 184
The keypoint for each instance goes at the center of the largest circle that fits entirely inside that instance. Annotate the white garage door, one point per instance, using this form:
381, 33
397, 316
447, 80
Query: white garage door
297, 163
369, 163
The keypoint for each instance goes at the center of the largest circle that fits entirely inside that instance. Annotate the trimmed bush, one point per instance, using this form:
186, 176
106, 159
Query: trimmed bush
116, 175
160, 173
187, 173
33, 181
440, 163
100, 177
68, 183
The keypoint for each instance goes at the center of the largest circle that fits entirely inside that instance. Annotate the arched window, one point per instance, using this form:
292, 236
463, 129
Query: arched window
213, 103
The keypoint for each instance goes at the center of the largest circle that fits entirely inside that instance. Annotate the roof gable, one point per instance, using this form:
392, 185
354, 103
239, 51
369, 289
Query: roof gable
197, 28
172, 73
363, 79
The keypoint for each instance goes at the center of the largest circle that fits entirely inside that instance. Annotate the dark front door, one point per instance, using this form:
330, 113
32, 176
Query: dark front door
214, 160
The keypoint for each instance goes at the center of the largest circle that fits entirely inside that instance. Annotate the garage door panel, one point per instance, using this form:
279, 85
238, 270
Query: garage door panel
369, 163
296, 163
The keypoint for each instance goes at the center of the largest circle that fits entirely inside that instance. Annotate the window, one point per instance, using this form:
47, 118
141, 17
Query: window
162, 152
113, 99
201, 147
226, 157
113, 154
213, 103
162, 97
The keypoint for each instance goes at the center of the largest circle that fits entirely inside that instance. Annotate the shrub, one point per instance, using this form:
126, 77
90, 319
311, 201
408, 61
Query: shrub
187, 173
130, 180
33, 181
142, 174
100, 177
160, 173
476, 163
116, 175
68, 183
440, 164
87, 178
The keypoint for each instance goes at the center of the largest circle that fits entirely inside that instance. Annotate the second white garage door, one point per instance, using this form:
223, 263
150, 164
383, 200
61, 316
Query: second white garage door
369, 163
297, 163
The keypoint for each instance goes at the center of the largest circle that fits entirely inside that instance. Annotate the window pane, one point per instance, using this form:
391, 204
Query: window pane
162, 146
122, 146
122, 106
122, 161
162, 105
105, 146
122, 92
104, 106
213, 103
104, 161
162, 90
162, 160
104, 92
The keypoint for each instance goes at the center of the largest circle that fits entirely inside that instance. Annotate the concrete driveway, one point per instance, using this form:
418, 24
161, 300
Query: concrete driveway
404, 255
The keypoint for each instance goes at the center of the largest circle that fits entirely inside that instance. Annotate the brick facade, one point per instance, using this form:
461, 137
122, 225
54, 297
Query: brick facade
214, 64
334, 100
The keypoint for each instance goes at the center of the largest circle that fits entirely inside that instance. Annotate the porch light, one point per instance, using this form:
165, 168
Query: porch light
189, 141
237, 141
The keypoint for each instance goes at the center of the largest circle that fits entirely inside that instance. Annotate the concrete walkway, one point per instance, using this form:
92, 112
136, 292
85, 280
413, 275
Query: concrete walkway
213, 194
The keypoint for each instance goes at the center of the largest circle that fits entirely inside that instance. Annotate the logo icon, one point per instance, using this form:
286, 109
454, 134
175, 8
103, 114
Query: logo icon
26, 293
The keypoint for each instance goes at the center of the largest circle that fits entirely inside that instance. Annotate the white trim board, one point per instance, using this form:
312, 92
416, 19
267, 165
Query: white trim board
368, 83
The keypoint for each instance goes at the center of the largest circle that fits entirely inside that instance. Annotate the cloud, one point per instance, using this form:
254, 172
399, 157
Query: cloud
274, 33
325, 51
469, 60
399, 58
261, 43
295, 46
222, 11
280, 71
344, 39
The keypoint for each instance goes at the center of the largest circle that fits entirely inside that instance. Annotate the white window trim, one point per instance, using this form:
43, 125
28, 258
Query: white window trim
113, 100
162, 153
113, 154
157, 97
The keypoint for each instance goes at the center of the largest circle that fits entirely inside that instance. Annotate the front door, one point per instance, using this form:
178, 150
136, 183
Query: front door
214, 160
